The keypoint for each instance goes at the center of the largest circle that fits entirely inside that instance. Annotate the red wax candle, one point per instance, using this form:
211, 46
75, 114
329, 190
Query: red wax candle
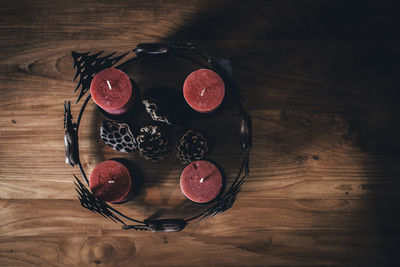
111, 181
111, 90
204, 90
201, 181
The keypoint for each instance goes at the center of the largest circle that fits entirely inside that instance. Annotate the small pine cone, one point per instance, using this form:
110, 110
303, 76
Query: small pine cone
153, 143
191, 146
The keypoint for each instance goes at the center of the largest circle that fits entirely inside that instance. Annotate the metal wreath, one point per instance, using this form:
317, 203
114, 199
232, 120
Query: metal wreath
87, 66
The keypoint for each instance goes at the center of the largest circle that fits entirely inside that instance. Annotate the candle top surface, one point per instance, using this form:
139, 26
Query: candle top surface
201, 181
110, 181
111, 89
204, 90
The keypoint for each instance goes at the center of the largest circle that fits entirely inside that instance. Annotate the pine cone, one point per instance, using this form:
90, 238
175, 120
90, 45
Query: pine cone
191, 146
153, 143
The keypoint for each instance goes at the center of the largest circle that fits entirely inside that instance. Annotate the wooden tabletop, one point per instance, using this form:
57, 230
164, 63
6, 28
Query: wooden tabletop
320, 80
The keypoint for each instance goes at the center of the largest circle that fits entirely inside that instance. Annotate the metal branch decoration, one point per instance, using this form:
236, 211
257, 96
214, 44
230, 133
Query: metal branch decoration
86, 67
90, 202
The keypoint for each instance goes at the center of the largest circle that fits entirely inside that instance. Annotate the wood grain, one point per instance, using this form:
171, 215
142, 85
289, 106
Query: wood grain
320, 79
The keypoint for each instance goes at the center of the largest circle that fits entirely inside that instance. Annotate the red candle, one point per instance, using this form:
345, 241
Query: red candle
201, 181
204, 90
111, 181
111, 90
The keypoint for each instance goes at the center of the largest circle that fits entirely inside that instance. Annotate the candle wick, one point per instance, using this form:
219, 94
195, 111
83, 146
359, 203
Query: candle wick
109, 85
205, 178
111, 181
202, 92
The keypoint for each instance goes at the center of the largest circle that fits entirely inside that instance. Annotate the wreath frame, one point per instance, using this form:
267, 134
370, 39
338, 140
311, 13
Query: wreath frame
87, 65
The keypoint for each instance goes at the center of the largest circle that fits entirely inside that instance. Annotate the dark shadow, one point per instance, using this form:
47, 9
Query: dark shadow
292, 20
371, 117
377, 131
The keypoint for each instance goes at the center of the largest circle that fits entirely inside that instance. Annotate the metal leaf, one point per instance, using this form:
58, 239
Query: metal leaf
163, 48
166, 225
70, 137
162, 225
246, 132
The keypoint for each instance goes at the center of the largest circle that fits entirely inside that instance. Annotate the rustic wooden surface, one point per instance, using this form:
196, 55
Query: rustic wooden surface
321, 82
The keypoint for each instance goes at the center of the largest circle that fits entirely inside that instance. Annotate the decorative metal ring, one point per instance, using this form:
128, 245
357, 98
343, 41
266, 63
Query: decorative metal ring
87, 65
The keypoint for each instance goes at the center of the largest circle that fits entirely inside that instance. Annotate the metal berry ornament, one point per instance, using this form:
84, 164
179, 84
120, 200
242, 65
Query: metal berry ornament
152, 141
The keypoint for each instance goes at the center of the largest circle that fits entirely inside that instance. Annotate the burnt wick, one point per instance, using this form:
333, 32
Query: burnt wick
205, 178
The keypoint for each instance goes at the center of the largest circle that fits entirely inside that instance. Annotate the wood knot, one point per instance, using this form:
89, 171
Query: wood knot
268, 242
106, 251
301, 159
102, 251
